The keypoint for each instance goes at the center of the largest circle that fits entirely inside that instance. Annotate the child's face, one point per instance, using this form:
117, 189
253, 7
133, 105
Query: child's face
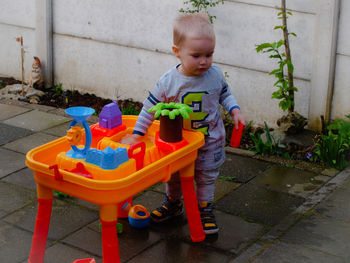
196, 55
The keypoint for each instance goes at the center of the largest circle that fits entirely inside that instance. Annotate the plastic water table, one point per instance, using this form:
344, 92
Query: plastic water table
64, 165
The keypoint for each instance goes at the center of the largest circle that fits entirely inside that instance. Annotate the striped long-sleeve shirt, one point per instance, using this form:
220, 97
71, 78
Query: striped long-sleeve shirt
203, 94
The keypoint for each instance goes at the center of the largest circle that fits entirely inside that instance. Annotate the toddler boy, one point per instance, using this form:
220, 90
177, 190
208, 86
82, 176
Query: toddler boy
202, 86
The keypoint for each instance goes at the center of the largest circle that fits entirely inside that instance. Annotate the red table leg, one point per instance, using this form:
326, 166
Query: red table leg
42, 224
191, 204
110, 246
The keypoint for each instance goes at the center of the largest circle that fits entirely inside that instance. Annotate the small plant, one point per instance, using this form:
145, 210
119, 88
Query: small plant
58, 89
201, 5
247, 128
270, 146
331, 150
130, 110
171, 109
289, 165
284, 83
1, 86
341, 127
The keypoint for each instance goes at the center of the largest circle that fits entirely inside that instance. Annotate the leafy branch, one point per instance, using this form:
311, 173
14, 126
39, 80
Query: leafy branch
285, 82
201, 5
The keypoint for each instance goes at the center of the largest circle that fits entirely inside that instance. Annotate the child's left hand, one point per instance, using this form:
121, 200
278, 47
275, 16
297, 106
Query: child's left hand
238, 118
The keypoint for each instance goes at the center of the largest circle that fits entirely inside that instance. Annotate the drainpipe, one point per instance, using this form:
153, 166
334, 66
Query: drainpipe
43, 38
324, 53
329, 101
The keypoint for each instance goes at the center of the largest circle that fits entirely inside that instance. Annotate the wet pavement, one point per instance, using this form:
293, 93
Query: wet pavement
266, 211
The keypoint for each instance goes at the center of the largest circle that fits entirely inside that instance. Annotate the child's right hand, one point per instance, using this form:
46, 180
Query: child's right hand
132, 139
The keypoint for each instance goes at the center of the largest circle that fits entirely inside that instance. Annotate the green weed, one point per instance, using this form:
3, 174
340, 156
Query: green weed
268, 146
130, 110
58, 89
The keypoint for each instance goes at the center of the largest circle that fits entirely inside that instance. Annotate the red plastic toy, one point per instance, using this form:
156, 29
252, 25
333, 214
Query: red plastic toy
236, 136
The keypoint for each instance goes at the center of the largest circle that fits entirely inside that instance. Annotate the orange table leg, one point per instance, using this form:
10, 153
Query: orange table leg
110, 246
42, 224
191, 204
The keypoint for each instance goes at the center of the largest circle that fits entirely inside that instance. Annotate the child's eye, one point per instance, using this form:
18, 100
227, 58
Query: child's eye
195, 56
209, 55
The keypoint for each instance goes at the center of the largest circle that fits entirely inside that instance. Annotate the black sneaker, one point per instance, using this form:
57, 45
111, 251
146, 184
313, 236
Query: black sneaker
208, 218
168, 209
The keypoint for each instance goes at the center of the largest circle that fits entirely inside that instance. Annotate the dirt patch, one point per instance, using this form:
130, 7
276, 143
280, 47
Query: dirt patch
66, 99
57, 97
8, 81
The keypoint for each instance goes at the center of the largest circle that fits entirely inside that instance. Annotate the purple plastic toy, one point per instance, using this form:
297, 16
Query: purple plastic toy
110, 116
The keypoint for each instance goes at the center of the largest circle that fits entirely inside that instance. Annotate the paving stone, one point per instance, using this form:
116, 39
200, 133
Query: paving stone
10, 133
222, 188
36, 120
26, 105
86, 239
59, 130
160, 187
27, 143
60, 253
10, 162
330, 172
43, 108
59, 111
259, 204
65, 218
288, 253
346, 185
13, 198
336, 205
8, 111
242, 169
83, 203
234, 234
249, 254
23, 178
15, 243
291, 180
172, 250
131, 241
329, 235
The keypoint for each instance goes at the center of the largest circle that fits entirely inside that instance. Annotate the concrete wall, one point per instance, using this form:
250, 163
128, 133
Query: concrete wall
17, 18
341, 99
118, 49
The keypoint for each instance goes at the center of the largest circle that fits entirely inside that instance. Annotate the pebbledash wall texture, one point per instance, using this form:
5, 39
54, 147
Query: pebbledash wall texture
118, 49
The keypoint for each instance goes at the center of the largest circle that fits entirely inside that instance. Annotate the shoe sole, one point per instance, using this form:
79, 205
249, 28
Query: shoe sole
156, 220
211, 231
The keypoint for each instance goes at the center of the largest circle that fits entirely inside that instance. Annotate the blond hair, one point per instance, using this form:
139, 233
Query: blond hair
192, 25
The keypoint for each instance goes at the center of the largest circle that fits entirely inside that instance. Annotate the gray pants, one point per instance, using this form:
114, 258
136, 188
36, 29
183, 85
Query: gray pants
205, 185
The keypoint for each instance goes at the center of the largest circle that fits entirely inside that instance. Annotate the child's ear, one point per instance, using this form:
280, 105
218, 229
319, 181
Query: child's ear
176, 51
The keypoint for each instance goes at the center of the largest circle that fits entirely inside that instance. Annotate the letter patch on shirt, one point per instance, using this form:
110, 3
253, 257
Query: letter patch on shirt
195, 101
